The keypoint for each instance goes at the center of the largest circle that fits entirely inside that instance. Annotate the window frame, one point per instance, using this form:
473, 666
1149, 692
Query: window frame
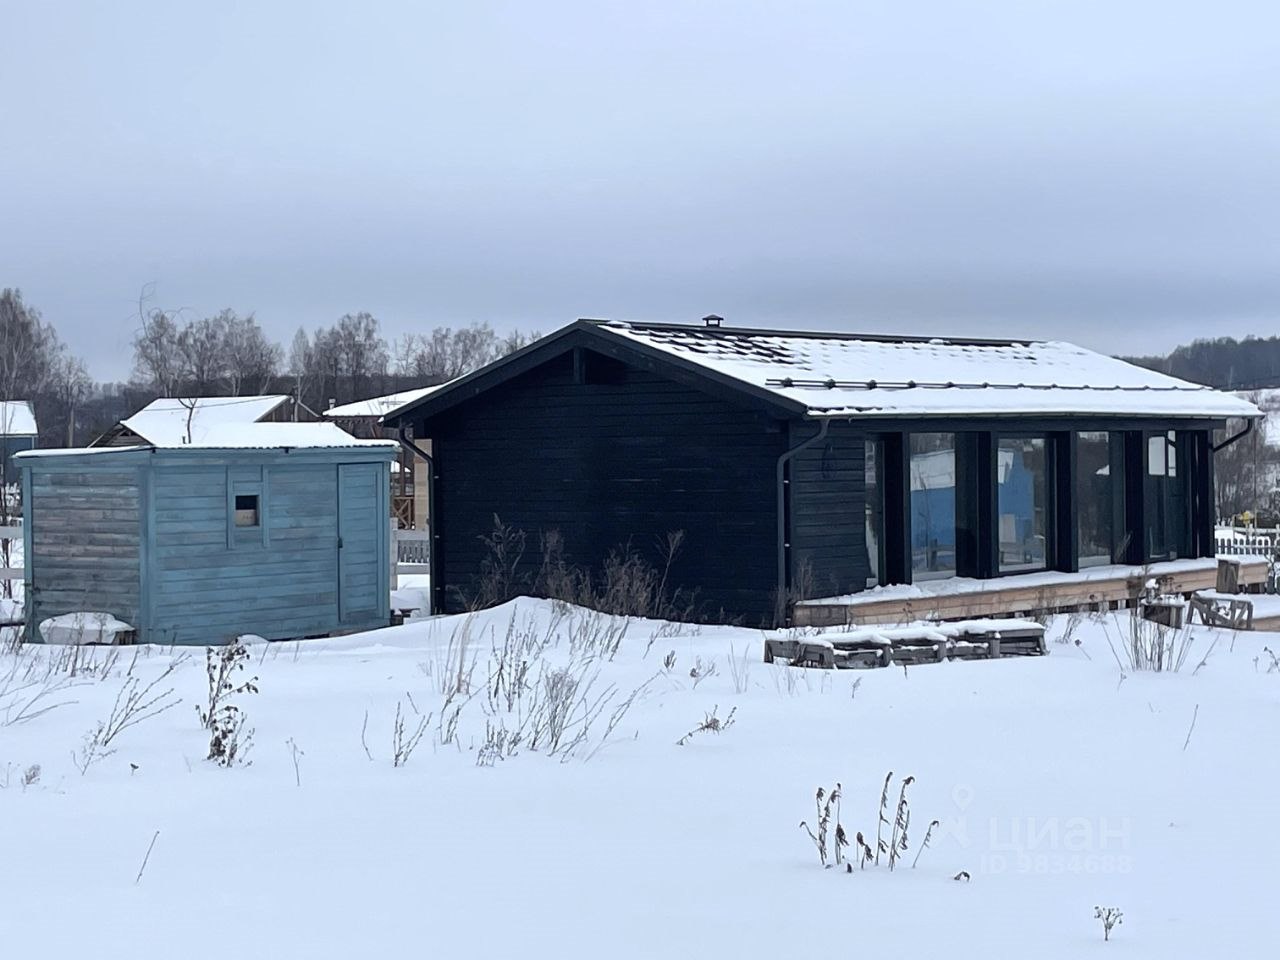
1049, 507
242, 537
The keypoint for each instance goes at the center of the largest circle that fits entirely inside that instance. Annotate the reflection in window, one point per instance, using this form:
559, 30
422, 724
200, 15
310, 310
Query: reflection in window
1166, 498
1022, 507
933, 505
1094, 498
874, 500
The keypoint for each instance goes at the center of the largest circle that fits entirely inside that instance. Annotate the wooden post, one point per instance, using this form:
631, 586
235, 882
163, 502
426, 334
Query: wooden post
395, 554
1228, 576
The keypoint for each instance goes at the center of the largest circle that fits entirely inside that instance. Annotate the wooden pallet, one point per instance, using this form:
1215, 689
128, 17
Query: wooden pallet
836, 652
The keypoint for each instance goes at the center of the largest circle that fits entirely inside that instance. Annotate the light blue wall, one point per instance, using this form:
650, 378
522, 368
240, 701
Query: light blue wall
202, 580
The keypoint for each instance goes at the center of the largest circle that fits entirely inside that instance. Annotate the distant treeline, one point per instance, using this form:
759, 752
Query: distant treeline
226, 354
1224, 362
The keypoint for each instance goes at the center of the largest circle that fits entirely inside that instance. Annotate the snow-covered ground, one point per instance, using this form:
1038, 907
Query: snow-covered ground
1059, 786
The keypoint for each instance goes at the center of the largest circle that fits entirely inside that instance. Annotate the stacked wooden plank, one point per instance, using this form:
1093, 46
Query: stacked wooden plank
907, 644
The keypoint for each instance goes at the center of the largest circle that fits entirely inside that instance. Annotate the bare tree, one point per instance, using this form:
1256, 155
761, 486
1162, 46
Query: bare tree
361, 349
251, 360
157, 351
449, 352
70, 387
29, 348
203, 347
301, 363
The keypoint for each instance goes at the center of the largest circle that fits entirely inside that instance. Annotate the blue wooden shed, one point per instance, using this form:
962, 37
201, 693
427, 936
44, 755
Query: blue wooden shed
274, 529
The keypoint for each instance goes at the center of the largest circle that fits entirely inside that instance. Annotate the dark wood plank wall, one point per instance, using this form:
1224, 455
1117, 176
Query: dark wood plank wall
828, 554
623, 458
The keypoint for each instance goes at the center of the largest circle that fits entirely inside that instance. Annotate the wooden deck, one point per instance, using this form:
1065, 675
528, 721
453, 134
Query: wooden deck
1021, 595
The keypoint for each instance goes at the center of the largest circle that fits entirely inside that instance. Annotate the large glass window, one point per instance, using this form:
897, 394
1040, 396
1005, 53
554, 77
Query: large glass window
933, 505
1166, 498
1095, 482
1022, 503
874, 499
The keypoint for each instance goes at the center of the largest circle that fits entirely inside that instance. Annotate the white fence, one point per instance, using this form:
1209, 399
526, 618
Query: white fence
8, 534
410, 553
1247, 541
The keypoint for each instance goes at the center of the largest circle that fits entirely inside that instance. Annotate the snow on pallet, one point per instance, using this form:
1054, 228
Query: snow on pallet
909, 644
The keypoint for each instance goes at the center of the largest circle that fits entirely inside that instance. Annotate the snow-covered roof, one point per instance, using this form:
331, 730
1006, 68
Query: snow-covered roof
17, 419
239, 436
163, 422
378, 406
275, 435
836, 375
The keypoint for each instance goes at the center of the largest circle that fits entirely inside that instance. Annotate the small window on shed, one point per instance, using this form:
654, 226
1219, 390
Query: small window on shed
246, 510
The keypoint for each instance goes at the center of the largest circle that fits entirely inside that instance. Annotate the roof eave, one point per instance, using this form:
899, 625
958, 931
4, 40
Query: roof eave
597, 335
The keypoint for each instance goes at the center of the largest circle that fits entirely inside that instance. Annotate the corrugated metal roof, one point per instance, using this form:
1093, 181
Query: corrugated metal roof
244, 436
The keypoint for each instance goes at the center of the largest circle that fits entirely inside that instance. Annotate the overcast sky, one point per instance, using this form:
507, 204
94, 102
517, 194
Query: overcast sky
1107, 172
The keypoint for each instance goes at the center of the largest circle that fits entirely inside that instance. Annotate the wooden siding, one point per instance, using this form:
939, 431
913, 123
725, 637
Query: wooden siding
212, 581
148, 536
84, 536
828, 554
610, 456
360, 555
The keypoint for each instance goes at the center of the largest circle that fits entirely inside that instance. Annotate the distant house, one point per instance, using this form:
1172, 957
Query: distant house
811, 464
274, 529
363, 418
170, 421
17, 432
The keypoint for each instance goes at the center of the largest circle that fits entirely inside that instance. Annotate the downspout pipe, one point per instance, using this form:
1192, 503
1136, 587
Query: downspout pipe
432, 606
1248, 429
784, 532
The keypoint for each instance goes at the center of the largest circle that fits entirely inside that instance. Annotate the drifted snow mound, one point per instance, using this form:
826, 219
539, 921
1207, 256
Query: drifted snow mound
83, 627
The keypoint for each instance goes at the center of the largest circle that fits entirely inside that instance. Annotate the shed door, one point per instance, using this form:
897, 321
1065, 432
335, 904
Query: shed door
358, 540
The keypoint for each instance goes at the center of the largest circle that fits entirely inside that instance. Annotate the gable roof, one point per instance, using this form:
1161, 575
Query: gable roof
820, 375
17, 419
377, 406
163, 422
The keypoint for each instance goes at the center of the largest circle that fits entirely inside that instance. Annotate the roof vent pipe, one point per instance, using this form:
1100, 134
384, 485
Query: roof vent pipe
711, 320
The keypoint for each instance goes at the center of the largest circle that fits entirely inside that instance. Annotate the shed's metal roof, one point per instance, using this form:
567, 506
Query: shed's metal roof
245, 436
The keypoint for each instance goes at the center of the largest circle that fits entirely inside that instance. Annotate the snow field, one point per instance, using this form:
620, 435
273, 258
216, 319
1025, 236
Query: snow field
1059, 786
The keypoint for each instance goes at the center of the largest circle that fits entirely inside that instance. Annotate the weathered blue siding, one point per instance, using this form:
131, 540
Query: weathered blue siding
359, 580
197, 578
84, 538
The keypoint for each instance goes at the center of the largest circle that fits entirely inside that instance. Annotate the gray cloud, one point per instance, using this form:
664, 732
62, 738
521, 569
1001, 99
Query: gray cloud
1094, 171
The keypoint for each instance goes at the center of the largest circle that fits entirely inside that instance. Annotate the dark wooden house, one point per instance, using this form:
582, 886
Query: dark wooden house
804, 465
